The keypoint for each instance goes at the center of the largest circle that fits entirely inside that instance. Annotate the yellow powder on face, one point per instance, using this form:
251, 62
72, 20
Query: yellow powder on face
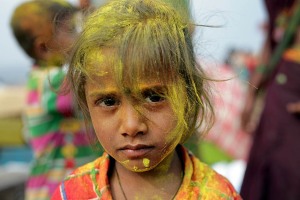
135, 168
125, 162
95, 63
146, 162
100, 62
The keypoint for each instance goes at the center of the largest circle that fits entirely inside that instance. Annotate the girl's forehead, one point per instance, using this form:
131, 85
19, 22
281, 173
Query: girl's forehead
107, 77
106, 63
108, 83
99, 63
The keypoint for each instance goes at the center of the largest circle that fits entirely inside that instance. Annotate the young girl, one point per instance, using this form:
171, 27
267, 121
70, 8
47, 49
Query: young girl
134, 75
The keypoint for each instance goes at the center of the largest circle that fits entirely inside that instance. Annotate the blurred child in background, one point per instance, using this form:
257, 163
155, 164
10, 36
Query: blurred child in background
45, 30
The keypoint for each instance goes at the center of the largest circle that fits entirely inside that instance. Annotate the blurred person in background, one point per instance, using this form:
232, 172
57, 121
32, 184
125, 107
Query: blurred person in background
45, 30
91, 4
273, 167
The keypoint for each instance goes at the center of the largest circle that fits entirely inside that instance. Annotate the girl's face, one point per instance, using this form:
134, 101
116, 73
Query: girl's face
136, 133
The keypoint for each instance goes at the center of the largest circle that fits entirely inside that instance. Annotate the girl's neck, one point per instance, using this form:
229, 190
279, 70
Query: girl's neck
127, 184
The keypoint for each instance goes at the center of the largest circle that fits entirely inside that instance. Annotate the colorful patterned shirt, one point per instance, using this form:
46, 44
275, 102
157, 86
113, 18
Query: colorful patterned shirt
199, 182
55, 134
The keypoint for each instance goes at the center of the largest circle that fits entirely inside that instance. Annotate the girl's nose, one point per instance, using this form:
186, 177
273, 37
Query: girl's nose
133, 122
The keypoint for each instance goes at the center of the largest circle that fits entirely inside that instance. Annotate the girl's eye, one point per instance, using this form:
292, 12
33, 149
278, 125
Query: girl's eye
107, 101
153, 97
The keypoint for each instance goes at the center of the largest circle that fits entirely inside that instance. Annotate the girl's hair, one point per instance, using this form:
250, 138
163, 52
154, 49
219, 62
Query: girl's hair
52, 11
149, 39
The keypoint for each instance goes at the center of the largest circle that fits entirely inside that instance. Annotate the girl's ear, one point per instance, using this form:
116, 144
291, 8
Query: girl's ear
41, 51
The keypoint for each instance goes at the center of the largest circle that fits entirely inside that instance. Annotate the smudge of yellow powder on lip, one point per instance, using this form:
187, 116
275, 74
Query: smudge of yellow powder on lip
146, 162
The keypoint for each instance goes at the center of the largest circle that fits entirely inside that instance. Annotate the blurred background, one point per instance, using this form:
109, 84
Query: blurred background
235, 42
240, 21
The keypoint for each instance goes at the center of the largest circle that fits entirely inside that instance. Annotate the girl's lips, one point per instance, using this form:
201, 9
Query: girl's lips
135, 151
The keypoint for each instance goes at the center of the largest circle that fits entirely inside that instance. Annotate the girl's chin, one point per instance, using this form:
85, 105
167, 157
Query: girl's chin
142, 165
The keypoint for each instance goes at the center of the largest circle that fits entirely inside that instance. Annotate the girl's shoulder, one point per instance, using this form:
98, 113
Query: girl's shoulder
202, 182
86, 182
213, 185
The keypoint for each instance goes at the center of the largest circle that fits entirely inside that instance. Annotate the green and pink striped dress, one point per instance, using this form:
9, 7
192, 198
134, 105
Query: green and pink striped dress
56, 135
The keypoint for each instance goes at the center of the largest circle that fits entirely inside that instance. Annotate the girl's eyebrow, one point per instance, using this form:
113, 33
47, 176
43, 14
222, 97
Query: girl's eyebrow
115, 92
158, 88
97, 93
153, 86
